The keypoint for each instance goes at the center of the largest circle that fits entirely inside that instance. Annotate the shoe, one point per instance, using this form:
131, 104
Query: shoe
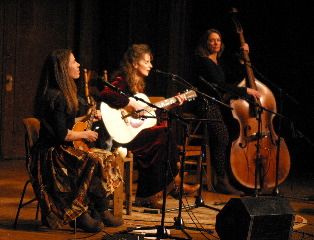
154, 204
100, 212
187, 189
223, 186
87, 223
109, 220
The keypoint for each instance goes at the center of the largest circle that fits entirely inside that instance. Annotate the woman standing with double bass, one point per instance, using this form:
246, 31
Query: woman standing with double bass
210, 68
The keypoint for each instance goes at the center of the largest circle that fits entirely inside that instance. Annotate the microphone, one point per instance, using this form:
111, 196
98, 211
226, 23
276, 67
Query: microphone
164, 73
114, 88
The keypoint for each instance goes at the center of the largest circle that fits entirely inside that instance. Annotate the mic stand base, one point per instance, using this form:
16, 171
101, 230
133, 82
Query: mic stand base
199, 202
275, 191
179, 225
161, 232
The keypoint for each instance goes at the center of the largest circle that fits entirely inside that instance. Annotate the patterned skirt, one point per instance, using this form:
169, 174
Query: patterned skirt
65, 179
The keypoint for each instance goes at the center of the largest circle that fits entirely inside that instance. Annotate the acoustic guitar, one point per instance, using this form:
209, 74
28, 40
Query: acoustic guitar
84, 126
124, 126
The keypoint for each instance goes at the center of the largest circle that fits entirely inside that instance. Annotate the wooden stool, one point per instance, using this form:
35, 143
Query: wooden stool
119, 196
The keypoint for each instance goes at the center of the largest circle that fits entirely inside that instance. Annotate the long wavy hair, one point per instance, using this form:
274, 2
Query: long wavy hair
202, 49
55, 76
132, 55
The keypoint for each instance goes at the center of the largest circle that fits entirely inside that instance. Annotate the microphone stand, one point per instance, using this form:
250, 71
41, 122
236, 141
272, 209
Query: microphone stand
275, 191
161, 231
199, 202
278, 142
282, 94
186, 84
258, 160
179, 223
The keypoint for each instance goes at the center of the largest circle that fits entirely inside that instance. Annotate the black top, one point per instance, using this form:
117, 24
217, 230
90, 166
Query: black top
55, 121
214, 74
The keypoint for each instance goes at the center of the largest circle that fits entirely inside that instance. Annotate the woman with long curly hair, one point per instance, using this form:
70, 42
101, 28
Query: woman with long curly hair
150, 146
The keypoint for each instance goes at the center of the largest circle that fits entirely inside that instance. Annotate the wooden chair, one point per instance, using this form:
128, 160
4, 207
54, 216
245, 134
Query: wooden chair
32, 126
197, 151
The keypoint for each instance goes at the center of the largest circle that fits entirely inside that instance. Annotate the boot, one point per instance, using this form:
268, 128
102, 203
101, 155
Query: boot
150, 202
101, 212
223, 186
110, 220
87, 223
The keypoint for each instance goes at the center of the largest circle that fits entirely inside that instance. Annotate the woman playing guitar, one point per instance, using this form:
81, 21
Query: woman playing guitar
149, 147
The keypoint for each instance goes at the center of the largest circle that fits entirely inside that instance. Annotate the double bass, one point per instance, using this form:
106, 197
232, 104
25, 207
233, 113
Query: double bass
259, 159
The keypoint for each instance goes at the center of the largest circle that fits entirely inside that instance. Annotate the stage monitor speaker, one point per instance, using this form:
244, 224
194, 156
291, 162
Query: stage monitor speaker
255, 218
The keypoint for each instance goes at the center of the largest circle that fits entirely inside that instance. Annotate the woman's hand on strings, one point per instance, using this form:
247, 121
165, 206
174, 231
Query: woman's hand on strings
254, 93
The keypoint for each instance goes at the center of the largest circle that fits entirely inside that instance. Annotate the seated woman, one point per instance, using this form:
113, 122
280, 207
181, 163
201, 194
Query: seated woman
150, 146
68, 180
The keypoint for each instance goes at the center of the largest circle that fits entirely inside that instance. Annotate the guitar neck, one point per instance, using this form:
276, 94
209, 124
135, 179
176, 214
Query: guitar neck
162, 104
91, 118
167, 102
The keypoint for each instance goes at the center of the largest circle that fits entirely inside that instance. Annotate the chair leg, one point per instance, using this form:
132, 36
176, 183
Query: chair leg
128, 187
75, 226
118, 193
37, 210
198, 170
21, 203
209, 170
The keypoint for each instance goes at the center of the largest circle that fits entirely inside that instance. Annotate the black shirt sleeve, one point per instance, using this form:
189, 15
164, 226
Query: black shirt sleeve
61, 121
55, 120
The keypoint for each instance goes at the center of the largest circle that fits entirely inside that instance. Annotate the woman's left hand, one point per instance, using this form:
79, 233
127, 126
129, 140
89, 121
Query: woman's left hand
181, 99
253, 93
245, 47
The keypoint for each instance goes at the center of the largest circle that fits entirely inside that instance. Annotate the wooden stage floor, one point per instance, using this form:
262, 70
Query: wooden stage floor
199, 222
